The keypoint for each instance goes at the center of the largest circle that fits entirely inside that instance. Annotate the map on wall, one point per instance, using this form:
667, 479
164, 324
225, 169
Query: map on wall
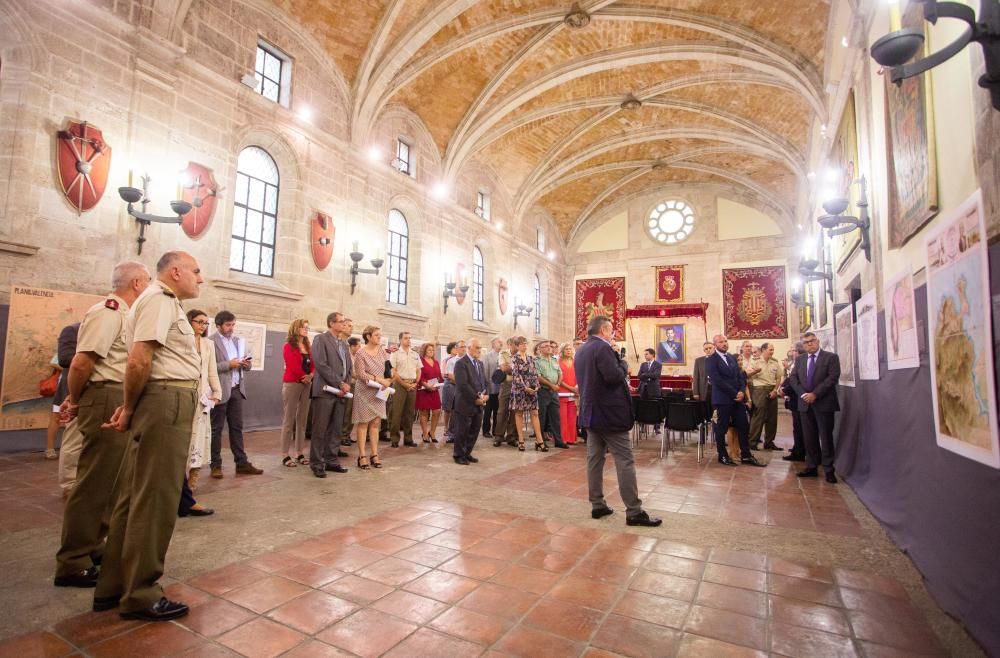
901, 345
845, 345
961, 348
36, 317
827, 339
867, 330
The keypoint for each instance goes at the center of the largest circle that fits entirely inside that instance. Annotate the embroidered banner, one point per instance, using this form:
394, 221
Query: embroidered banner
669, 284
753, 302
600, 297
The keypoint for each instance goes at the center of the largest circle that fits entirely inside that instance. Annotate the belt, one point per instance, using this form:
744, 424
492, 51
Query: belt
104, 384
408, 380
174, 383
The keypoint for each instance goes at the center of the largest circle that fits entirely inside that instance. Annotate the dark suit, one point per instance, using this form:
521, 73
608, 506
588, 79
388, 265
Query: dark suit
333, 365
817, 418
230, 410
466, 415
606, 413
700, 386
728, 380
649, 379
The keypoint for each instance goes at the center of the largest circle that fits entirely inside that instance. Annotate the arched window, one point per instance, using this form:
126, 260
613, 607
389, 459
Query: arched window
399, 249
255, 213
538, 306
478, 271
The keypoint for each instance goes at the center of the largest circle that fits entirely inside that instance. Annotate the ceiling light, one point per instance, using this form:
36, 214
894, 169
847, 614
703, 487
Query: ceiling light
831, 175
844, 42
305, 113
552, 255
374, 154
499, 225
440, 190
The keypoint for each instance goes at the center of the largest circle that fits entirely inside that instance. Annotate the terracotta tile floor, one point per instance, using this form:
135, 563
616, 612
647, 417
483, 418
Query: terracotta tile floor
771, 496
509, 585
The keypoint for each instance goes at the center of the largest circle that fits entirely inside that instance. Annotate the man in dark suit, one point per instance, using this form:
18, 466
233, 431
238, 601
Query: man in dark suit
233, 362
649, 376
470, 400
606, 414
701, 388
814, 382
332, 365
728, 386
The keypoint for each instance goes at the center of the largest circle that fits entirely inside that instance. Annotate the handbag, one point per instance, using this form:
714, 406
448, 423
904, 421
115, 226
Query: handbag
47, 387
498, 376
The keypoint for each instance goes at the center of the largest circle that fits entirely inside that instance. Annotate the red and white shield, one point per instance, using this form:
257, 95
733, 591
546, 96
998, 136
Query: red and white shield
201, 191
83, 160
321, 234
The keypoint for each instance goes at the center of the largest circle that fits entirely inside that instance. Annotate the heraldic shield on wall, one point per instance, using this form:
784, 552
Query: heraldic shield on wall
83, 160
321, 234
502, 295
753, 302
201, 191
669, 284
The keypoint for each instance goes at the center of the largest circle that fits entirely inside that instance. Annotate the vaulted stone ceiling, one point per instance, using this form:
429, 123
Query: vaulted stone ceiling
726, 90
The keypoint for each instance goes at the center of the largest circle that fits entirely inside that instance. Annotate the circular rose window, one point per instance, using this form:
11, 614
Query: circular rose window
670, 222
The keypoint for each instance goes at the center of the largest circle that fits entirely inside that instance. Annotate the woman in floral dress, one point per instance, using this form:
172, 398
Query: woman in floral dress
524, 393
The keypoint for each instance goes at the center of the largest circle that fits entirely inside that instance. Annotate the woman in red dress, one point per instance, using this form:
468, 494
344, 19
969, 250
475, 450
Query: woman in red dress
567, 403
428, 403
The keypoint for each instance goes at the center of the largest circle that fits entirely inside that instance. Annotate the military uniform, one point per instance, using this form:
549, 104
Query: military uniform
506, 422
765, 408
152, 472
85, 520
402, 413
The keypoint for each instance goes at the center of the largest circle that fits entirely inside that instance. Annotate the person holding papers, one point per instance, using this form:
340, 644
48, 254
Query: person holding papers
428, 393
370, 395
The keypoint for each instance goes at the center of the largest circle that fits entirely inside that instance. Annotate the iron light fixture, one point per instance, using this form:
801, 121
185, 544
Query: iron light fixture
895, 49
449, 290
357, 257
520, 311
837, 223
133, 195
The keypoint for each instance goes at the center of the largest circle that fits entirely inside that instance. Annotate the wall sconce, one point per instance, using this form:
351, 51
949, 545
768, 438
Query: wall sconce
807, 270
520, 311
837, 223
132, 195
895, 49
357, 257
449, 289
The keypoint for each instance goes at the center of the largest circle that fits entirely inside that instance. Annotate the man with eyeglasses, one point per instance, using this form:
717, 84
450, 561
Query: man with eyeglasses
234, 361
814, 382
333, 366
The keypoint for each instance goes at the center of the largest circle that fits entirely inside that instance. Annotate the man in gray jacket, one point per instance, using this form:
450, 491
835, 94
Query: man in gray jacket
333, 367
233, 362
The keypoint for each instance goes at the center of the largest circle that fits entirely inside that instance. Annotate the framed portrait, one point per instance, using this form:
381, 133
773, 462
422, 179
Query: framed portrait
669, 341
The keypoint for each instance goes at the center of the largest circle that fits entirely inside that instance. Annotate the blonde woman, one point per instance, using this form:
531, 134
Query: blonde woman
295, 386
567, 403
369, 411
201, 431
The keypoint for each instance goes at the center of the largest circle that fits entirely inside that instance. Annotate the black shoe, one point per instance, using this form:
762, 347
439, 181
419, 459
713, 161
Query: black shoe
204, 511
726, 461
751, 461
461, 460
319, 474
102, 603
336, 468
496, 444
560, 444
85, 578
771, 446
473, 460
346, 442
643, 519
410, 444
394, 444
831, 478
487, 435
808, 473
97, 559
341, 453
794, 458
162, 610
599, 512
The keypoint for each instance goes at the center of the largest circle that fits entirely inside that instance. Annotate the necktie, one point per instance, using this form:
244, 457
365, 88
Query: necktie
343, 361
479, 375
810, 371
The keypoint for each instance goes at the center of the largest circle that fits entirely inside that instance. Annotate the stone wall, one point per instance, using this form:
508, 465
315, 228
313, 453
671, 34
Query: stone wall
162, 102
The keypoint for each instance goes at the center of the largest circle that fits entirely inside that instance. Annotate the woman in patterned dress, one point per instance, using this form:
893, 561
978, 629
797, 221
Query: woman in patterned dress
524, 393
369, 411
428, 397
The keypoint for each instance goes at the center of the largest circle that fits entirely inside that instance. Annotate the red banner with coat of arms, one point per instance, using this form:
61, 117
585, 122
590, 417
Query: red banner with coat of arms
753, 302
669, 284
600, 297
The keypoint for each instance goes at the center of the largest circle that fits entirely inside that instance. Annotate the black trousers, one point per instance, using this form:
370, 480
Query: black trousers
328, 423
465, 429
229, 413
817, 431
187, 500
799, 449
735, 413
548, 415
490, 413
